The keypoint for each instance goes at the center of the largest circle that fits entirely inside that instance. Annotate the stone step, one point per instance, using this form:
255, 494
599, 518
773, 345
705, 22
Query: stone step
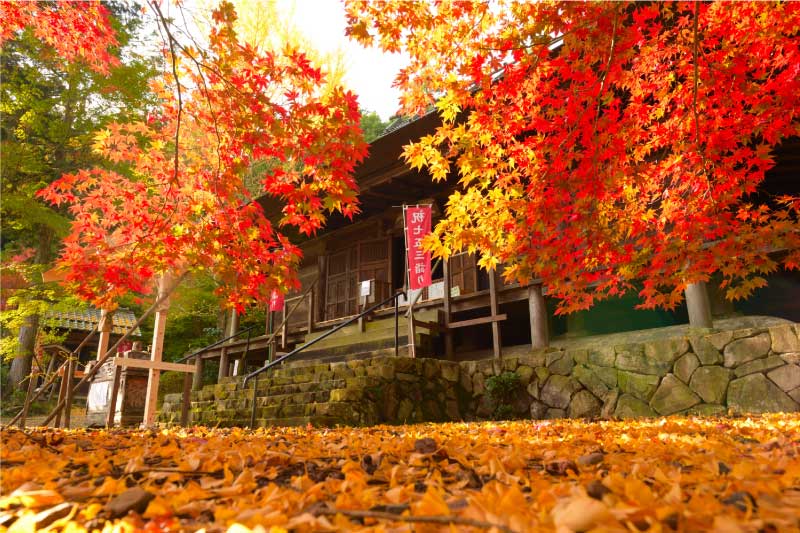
296, 421
339, 410
316, 421
378, 348
382, 324
294, 394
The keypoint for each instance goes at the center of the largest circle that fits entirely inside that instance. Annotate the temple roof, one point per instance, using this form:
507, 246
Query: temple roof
87, 319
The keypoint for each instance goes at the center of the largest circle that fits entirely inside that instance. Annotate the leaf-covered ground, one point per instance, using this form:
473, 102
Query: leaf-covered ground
672, 474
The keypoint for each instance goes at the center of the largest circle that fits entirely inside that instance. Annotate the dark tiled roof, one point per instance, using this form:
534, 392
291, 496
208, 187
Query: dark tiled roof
87, 319
399, 122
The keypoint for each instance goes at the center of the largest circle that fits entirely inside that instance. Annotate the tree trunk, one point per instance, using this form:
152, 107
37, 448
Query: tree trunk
21, 365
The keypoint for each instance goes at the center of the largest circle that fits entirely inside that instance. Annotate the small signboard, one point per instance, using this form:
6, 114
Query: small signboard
436, 291
366, 288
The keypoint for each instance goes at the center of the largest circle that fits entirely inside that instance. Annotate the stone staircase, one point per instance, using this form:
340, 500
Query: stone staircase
352, 392
376, 340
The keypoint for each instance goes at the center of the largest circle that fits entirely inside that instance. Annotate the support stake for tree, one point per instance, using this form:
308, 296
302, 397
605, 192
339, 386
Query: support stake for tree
70, 372
496, 341
540, 335
698, 305
28, 399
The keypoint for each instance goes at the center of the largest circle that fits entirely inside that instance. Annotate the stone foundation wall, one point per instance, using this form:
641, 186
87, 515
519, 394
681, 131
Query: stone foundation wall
750, 370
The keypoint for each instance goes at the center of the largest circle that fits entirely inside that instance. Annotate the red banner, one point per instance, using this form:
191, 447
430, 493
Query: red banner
276, 301
418, 224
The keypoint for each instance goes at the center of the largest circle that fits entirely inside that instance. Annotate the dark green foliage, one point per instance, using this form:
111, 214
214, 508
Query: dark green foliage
502, 390
372, 125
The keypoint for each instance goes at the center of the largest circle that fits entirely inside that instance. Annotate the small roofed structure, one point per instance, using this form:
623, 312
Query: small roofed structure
77, 323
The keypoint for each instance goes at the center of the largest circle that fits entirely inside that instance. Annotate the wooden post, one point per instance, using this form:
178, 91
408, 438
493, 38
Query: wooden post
493, 307
310, 318
448, 334
28, 399
165, 284
283, 329
62, 390
68, 378
224, 363
412, 337
197, 379
698, 305
112, 401
540, 335
187, 398
104, 328
272, 348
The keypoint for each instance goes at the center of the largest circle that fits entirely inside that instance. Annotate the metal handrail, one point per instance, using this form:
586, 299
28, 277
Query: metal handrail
215, 344
328, 333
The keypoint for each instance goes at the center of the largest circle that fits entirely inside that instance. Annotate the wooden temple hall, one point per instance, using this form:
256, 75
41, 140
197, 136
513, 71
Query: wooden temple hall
466, 313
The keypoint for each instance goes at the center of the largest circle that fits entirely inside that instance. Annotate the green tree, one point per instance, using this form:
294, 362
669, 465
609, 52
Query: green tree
372, 125
48, 112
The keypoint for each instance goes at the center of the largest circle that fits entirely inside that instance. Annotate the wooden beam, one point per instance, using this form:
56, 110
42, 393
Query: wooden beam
155, 365
432, 326
496, 342
474, 321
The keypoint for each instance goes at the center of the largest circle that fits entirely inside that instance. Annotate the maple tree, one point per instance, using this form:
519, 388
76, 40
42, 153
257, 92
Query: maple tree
668, 474
75, 30
597, 144
49, 106
172, 198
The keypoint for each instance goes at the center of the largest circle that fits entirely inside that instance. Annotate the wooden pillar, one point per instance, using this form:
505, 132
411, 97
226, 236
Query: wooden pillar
493, 306
224, 363
699, 305
197, 378
104, 329
310, 317
412, 337
448, 333
233, 323
70, 371
28, 398
112, 401
540, 335
62, 390
154, 375
187, 398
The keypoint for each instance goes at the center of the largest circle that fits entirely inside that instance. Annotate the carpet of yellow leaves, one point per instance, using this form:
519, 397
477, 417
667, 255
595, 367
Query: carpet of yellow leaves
671, 474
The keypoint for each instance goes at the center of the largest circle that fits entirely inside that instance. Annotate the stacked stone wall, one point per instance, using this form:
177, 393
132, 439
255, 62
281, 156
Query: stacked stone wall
750, 370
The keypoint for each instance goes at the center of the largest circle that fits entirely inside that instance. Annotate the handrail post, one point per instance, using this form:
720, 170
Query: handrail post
253, 407
396, 326
246, 350
272, 344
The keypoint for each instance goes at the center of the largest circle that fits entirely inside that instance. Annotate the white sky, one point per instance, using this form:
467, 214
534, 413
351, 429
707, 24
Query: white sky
370, 72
